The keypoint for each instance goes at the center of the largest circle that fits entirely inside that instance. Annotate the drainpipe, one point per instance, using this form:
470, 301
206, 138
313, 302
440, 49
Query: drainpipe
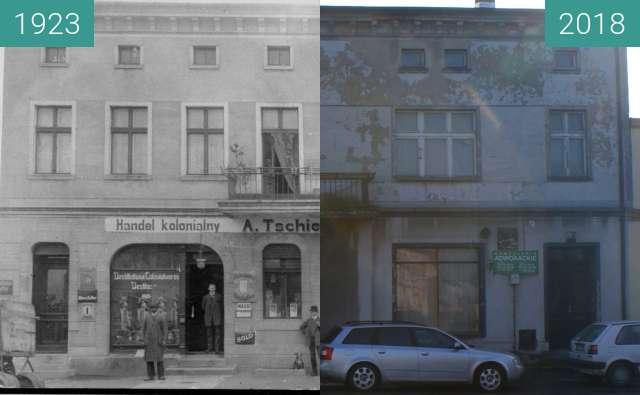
621, 83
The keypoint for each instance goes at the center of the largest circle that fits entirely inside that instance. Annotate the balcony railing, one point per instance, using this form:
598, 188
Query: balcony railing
274, 183
345, 190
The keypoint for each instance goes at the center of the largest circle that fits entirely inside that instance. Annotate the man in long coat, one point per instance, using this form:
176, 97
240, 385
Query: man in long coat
311, 330
212, 306
154, 332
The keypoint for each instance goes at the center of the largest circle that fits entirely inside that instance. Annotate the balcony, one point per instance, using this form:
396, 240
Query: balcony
273, 189
345, 193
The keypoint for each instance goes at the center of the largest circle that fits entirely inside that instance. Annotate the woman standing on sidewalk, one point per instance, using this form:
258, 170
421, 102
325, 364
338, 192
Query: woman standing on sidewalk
154, 332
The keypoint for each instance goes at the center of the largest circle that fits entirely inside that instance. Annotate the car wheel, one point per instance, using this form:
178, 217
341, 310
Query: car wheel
490, 378
363, 377
620, 374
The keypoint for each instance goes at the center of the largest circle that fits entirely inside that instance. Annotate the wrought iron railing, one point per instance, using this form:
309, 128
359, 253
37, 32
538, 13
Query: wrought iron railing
345, 189
274, 183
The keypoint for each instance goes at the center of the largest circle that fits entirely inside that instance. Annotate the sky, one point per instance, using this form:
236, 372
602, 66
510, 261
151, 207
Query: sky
633, 53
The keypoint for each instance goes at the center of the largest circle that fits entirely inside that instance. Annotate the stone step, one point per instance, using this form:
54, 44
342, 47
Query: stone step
55, 374
211, 371
196, 363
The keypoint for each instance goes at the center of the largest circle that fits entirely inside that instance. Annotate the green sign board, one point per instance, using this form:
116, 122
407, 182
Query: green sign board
522, 262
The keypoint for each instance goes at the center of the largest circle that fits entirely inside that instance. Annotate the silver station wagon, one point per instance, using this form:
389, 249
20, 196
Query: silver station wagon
366, 354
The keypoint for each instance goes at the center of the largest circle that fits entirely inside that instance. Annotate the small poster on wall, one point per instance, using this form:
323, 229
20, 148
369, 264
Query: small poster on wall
293, 310
273, 310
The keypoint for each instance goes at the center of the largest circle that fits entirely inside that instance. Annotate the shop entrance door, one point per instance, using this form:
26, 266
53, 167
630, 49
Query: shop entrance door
198, 281
571, 274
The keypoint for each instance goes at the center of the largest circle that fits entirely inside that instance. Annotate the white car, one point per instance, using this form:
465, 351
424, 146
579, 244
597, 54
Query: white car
608, 349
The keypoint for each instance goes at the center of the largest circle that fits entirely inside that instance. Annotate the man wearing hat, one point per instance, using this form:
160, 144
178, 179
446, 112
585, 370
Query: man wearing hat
311, 330
154, 332
212, 306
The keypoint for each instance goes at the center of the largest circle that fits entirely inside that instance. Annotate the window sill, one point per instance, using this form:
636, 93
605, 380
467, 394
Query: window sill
52, 177
565, 71
54, 65
413, 70
203, 177
569, 179
129, 66
278, 67
204, 67
127, 177
456, 70
436, 179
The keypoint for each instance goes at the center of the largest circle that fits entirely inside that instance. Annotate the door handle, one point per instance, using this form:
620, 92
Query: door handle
382, 352
424, 354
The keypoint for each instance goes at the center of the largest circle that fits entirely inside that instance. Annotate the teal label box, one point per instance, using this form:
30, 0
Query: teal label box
592, 23
46, 23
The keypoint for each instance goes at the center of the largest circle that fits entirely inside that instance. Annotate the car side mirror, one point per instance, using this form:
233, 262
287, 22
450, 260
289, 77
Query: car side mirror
457, 346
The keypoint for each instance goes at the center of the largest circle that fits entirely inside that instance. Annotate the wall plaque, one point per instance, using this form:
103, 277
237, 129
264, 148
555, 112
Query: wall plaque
246, 338
244, 310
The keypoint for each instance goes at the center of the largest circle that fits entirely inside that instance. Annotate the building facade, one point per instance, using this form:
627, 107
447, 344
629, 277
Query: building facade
178, 152
458, 149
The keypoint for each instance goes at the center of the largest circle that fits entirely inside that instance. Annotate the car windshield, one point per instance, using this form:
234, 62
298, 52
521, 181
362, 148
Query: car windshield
590, 333
331, 335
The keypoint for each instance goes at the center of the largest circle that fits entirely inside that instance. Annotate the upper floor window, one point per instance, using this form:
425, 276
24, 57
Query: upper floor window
282, 281
413, 59
205, 56
129, 140
55, 55
565, 60
205, 140
53, 140
279, 57
129, 55
455, 60
280, 155
435, 144
567, 144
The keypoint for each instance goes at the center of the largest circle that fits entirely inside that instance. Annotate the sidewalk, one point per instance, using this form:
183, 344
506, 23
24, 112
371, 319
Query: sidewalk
245, 380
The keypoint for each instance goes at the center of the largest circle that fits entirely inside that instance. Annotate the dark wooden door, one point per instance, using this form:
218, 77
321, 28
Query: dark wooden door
198, 281
50, 298
571, 297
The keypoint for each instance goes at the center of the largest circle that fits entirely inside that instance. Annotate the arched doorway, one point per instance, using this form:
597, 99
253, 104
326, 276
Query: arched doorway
50, 296
165, 274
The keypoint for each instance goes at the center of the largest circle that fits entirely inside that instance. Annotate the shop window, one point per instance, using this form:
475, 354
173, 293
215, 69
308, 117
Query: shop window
439, 286
567, 145
412, 60
435, 144
279, 57
50, 296
205, 140
55, 56
280, 154
282, 279
129, 55
455, 60
129, 140
53, 140
205, 56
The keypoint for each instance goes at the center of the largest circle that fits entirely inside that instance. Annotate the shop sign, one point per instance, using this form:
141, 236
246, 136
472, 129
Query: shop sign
87, 296
211, 225
6, 287
521, 262
246, 338
243, 310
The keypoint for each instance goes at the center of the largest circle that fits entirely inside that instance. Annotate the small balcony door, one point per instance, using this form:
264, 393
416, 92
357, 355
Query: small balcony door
280, 152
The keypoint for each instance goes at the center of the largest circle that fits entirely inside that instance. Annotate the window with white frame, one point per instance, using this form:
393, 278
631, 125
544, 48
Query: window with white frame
55, 55
205, 140
435, 144
278, 56
413, 59
53, 140
205, 56
455, 59
129, 140
129, 55
567, 144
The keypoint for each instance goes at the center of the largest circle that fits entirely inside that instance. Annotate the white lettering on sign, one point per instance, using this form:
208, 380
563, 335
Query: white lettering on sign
211, 225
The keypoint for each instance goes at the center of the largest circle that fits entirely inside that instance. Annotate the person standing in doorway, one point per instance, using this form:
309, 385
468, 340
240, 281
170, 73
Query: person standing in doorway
311, 330
154, 331
212, 306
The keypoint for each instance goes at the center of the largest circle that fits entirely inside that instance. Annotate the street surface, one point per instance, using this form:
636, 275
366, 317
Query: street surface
543, 381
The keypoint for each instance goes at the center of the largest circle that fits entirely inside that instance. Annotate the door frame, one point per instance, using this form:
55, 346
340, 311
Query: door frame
547, 310
190, 267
